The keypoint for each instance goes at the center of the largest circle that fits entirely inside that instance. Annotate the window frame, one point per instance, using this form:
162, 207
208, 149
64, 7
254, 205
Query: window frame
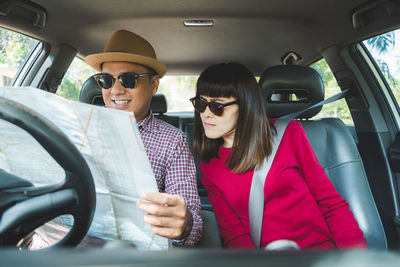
382, 84
26, 72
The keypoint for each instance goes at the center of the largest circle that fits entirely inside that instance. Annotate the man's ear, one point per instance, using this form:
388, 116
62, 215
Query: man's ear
155, 81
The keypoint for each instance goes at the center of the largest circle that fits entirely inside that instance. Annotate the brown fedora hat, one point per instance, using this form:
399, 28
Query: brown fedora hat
128, 47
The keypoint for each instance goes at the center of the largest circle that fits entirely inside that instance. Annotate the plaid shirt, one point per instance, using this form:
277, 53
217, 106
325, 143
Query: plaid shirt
173, 166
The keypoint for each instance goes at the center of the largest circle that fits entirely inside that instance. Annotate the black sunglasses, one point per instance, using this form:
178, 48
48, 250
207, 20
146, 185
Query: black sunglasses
217, 108
127, 79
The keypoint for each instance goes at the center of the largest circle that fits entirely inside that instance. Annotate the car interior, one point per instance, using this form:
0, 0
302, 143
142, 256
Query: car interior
343, 165
278, 41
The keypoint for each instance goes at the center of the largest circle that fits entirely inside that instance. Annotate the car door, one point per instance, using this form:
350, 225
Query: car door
370, 68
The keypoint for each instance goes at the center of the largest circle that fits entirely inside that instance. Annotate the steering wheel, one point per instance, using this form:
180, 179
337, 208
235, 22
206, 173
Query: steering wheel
24, 207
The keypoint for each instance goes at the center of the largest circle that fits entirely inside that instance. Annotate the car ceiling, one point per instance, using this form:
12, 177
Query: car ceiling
254, 32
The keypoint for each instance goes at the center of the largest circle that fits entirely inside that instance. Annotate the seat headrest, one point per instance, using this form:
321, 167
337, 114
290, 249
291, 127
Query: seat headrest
91, 93
290, 88
158, 104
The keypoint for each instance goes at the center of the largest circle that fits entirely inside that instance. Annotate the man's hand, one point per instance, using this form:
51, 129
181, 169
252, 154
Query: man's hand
167, 215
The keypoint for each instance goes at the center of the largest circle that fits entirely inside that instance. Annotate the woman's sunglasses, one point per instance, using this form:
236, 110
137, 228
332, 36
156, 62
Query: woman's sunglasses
127, 79
217, 108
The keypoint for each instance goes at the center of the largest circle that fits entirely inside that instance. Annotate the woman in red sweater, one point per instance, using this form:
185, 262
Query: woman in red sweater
232, 137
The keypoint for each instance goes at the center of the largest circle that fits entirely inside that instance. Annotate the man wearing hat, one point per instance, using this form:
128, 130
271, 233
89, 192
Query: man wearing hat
130, 75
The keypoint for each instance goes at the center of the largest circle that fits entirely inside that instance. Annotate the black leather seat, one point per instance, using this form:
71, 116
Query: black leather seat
158, 106
331, 140
91, 94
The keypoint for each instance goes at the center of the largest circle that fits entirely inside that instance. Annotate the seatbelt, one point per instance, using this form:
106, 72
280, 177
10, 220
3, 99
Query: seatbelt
256, 198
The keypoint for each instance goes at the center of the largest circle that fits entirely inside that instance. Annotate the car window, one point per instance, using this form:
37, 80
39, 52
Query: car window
338, 109
178, 90
385, 50
77, 74
14, 48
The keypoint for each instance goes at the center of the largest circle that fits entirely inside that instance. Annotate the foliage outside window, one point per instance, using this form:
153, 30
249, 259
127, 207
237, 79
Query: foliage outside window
338, 109
73, 80
14, 48
385, 49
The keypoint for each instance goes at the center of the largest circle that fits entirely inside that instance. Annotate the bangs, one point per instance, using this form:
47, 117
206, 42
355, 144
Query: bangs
217, 81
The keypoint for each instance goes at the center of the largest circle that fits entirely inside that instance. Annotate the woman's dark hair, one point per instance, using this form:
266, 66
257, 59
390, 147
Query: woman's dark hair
253, 136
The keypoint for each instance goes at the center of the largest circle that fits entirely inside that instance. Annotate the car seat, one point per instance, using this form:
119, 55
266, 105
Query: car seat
91, 93
290, 88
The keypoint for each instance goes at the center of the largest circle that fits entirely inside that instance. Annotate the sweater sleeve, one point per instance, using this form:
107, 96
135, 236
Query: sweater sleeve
341, 222
229, 224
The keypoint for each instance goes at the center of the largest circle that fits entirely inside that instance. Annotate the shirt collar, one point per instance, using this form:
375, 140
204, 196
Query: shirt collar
148, 124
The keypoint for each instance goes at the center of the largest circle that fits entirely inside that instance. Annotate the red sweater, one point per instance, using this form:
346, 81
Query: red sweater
300, 202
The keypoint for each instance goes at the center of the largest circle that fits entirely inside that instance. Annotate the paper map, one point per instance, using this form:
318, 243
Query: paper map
110, 142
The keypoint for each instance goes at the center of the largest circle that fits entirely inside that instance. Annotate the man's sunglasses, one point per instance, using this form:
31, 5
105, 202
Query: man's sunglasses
127, 79
217, 108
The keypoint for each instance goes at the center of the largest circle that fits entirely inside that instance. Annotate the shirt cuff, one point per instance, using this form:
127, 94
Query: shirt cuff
179, 242
194, 234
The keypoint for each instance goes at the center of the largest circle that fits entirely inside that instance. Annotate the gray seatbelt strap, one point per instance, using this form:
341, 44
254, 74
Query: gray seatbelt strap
256, 198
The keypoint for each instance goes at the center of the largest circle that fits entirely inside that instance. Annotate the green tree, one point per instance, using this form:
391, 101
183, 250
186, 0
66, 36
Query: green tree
324, 71
14, 47
73, 80
393, 82
335, 109
382, 43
